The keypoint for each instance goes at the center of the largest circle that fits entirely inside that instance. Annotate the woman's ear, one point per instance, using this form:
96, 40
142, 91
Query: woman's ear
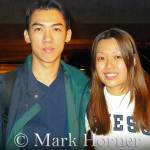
134, 61
68, 36
26, 37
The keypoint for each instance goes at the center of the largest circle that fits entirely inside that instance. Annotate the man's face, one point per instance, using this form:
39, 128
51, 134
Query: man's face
47, 35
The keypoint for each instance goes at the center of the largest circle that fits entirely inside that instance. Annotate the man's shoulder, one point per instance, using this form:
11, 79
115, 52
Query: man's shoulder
3, 76
74, 72
8, 78
6, 83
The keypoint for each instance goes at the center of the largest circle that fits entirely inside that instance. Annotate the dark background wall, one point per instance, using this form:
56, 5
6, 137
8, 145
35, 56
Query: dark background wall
90, 18
86, 11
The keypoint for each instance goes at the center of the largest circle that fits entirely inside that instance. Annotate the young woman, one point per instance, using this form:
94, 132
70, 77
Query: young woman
119, 109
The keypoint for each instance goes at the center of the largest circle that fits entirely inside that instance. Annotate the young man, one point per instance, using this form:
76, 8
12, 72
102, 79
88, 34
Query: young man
47, 93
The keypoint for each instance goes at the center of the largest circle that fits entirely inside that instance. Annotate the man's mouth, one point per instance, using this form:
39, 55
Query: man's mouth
48, 49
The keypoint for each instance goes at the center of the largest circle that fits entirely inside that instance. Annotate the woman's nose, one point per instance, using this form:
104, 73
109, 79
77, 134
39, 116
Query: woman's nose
110, 63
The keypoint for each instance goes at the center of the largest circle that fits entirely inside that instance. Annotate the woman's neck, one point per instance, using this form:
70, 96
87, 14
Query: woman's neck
117, 91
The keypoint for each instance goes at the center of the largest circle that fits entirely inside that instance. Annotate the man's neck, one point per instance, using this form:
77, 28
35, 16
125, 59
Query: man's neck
46, 73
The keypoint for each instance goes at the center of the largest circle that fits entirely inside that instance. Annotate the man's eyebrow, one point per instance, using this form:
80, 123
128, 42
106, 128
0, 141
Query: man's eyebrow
37, 24
57, 24
52, 25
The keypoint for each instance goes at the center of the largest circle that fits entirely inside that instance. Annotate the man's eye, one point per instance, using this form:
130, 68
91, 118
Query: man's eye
37, 29
57, 29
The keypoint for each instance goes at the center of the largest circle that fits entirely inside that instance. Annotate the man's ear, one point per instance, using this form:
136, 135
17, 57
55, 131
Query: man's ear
26, 37
68, 36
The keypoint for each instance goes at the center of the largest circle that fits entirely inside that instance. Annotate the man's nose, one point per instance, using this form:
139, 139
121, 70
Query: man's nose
47, 36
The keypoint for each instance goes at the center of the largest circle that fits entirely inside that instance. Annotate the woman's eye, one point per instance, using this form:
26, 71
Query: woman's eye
118, 57
100, 58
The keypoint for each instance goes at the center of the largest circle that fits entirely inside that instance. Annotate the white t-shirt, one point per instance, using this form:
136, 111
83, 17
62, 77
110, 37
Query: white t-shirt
123, 135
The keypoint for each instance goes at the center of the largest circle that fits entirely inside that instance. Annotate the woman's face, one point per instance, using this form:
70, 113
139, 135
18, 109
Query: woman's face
111, 67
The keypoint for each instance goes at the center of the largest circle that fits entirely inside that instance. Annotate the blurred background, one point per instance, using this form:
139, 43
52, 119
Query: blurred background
89, 17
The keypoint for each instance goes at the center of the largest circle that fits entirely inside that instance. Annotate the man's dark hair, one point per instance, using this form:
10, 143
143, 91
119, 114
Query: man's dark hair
46, 4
